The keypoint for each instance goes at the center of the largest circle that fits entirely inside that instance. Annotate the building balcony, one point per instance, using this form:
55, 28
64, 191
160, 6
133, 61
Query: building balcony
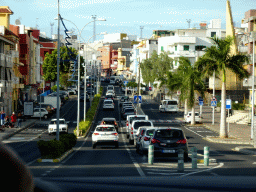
6, 60
5, 83
18, 86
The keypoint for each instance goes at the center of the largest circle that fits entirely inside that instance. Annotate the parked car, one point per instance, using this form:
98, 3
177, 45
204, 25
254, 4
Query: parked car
143, 139
43, 113
110, 121
48, 107
188, 117
135, 126
52, 127
168, 140
106, 135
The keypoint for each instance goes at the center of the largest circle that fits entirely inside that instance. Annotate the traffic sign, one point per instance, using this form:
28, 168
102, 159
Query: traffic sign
125, 83
214, 99
213, 103
228, 103
201, 102
135, 99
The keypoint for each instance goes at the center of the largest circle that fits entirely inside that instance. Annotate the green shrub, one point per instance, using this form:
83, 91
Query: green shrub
238, 106
51, 149
69, 140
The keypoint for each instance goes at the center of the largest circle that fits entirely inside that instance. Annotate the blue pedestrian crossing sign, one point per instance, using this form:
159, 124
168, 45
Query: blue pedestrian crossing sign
135, 99
213, 103
125, 83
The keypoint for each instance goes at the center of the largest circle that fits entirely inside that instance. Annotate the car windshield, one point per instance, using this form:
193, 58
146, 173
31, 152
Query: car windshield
169, 133
105, 129
55, 122
140, 124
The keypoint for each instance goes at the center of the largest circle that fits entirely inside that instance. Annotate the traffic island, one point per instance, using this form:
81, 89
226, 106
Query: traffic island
56, 150
229, 140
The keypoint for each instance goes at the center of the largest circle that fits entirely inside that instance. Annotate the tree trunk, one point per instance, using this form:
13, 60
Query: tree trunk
193, 116
223, 130
186, 107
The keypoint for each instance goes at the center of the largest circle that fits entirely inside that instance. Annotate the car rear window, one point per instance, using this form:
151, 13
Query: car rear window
136, 118
150, 132
105, 129
108, 102
139, 124
163, 133
109, 122
55, 122
172, 103
129, 110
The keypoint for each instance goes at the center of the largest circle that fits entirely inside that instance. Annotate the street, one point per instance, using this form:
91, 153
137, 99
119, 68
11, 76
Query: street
106, 161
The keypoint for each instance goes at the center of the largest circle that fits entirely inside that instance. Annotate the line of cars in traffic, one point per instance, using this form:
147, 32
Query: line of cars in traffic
141, 132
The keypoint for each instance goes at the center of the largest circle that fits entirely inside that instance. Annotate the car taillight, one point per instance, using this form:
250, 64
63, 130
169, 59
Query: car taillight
115, 134
134, 112
131, 133
127, 124
146, 139
182, 141
96, 133
115, 123
132, 128
155, 141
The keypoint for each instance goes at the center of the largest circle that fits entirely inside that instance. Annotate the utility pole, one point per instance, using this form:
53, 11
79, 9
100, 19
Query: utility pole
94, 27
189, 21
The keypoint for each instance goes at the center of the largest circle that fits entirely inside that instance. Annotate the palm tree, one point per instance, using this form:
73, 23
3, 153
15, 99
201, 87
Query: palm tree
218, 58
187, 79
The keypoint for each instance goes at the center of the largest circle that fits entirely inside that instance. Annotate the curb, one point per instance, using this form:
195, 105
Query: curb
245, 151
55, 160
228, 142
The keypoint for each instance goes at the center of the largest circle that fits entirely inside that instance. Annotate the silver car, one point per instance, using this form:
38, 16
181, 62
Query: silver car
144, 139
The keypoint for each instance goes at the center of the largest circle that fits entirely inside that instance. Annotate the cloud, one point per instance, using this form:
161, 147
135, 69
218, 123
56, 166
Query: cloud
69, 4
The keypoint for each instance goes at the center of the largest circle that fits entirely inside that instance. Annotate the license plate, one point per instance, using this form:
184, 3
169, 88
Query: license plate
168, 151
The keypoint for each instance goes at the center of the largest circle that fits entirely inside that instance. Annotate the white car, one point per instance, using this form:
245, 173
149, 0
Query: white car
108, 104
130, 119
110, 87
44, 113
112, 92
169, 106
188, 117
135, 126
52, 127
105, 135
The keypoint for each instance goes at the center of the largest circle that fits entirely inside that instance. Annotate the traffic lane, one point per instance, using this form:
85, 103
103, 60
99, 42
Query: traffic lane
152, 110
235, 163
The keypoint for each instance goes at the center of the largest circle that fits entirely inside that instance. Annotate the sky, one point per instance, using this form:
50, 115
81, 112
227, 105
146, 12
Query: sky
124, 16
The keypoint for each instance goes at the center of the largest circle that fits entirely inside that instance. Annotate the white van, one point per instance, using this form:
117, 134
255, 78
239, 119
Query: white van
130, 119
169, 106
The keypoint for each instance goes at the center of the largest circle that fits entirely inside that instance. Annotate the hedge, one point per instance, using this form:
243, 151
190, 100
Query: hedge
85, 125
54, 149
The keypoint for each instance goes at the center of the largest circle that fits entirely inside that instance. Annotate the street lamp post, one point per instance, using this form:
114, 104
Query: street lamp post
78, 86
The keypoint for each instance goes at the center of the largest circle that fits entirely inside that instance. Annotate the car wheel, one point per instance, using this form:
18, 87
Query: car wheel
116, 145
45, 116
131, 141
127, 136
94, 146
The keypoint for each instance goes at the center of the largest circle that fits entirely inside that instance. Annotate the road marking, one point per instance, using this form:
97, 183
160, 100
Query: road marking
220, 165
254, 163
194, 132
142, 174
166, 173
205, 131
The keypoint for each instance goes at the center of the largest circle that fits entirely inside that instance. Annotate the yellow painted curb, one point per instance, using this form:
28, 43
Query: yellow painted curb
39, 160
200, 161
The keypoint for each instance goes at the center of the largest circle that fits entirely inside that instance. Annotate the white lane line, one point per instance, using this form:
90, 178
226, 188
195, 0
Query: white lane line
194, 132
206, 170
142, 174
31, 162
165, 173
205, 131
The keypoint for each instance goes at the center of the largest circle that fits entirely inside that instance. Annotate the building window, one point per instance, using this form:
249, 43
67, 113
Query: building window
199, 47
162, 48
213, 34
186, 47
176, 48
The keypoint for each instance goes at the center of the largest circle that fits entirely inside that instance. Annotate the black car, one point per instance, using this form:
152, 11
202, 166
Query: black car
128, 111
167, 141
107, 80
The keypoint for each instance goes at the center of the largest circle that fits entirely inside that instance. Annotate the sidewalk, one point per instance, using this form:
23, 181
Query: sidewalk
238, 133
9, 132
